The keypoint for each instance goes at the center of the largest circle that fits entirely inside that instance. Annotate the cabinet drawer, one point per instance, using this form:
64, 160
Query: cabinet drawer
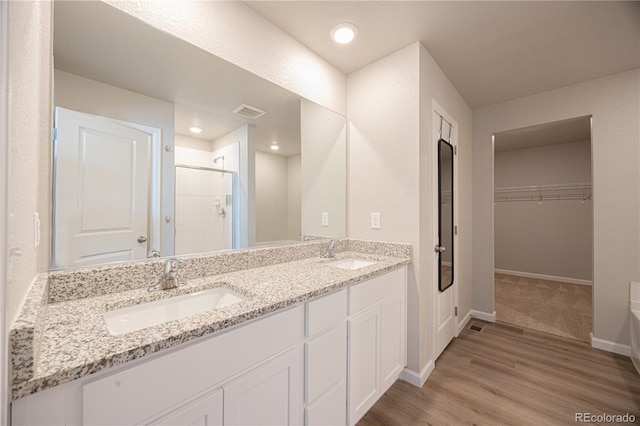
326, 311
365, 294
326, 361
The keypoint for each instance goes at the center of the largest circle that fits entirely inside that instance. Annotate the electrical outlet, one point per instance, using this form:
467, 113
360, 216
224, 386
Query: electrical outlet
36, 229
375, 220
325, 219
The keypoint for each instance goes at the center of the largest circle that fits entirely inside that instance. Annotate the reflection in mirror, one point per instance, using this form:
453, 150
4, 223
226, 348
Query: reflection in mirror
445, 215
140, 185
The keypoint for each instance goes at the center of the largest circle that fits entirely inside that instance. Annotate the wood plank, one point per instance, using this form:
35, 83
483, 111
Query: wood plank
507, 375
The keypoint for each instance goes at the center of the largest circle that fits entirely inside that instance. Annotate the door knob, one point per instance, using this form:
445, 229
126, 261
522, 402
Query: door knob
142, 239
439, 249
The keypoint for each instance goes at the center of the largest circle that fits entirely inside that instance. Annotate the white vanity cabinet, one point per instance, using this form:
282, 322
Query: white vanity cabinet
254, 371
377, 339
326, 360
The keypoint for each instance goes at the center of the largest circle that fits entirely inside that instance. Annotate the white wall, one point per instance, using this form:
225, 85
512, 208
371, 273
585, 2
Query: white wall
553, 237
614, 104
323, 141
391, 169
271, 197
201, 194
435, 86
221, 27
294, 197
29, 120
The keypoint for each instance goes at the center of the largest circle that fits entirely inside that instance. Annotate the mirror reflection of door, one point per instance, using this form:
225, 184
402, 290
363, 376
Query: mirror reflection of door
101, 191
445, 215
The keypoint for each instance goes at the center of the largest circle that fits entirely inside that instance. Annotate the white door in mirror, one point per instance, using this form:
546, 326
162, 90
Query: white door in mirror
101, 190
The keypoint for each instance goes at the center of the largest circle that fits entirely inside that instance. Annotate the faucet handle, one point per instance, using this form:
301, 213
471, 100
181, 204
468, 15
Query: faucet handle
171, 265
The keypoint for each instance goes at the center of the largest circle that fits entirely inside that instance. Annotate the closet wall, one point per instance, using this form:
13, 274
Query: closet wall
552, 238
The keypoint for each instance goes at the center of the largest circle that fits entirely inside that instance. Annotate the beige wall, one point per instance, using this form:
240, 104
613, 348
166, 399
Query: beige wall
614, 104
294, 197
29, 60
436, 87
323, 142
271, 197
391, 172
550, 238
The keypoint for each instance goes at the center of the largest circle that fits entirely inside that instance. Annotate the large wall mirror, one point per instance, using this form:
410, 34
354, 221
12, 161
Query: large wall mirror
133, 181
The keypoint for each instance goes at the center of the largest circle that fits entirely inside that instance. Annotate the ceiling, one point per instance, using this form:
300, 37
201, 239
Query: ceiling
491, 51
557, 132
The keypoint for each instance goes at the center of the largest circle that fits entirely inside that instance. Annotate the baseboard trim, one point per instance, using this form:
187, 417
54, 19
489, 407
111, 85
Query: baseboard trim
417, 379
608, 346
463, 323
485, 316
543, 277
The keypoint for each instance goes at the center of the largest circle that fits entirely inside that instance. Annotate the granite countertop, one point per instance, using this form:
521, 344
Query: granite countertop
74, 340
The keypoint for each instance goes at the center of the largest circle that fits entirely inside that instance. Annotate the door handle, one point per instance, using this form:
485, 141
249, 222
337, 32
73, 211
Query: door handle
439, 249
142, 239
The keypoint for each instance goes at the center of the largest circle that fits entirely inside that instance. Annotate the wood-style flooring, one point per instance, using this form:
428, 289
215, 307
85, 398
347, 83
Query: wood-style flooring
507, 375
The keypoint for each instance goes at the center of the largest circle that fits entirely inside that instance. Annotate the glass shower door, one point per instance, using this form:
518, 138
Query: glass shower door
204, 210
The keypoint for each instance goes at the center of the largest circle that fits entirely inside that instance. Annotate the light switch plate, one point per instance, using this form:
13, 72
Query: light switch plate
36, 229
375, 220
325, 219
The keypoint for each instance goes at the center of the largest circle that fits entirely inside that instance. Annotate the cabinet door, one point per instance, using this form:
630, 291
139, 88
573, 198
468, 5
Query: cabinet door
271, 394
392, 339
364, 349
204, 411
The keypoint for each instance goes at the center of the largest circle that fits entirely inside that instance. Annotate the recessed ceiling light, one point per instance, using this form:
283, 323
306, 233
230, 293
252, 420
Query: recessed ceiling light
344, 33
274, 146
195, 130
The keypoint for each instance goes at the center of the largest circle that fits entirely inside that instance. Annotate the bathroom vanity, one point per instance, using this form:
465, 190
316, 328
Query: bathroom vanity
316, 341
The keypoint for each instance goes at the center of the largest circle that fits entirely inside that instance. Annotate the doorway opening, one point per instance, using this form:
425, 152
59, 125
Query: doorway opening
543, 225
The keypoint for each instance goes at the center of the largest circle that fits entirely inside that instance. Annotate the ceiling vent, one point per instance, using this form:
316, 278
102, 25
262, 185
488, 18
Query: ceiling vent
248, 111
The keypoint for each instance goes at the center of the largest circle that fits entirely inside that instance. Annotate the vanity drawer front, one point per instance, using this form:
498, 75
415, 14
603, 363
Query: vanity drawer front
326, 311
131, 395
369, 292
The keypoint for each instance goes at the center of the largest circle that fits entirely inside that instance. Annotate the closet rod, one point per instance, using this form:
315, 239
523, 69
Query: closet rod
558, 192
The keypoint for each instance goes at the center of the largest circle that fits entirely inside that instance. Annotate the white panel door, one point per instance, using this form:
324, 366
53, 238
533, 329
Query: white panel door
101, 190
445, 302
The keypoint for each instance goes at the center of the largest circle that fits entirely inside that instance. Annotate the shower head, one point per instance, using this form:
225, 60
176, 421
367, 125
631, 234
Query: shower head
215, 160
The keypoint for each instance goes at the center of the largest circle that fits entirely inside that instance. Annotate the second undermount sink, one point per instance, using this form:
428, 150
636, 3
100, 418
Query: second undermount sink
137, 317
351, 263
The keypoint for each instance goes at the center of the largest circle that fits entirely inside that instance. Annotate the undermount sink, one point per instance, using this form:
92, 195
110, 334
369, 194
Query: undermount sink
351, 263
133, 318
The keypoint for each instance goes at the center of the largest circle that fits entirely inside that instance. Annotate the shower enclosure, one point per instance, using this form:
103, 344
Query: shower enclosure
204, 209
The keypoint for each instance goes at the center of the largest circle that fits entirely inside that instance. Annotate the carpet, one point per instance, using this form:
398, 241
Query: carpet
553, 307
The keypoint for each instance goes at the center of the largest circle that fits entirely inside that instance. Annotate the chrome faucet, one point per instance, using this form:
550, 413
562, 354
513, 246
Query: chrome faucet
331, 249
170, 279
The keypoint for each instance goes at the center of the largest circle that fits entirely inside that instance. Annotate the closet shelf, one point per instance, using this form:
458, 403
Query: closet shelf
559, 192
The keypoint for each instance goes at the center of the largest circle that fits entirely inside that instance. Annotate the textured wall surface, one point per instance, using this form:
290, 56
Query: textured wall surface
614, 104
29, 144
391, 172
239, 35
